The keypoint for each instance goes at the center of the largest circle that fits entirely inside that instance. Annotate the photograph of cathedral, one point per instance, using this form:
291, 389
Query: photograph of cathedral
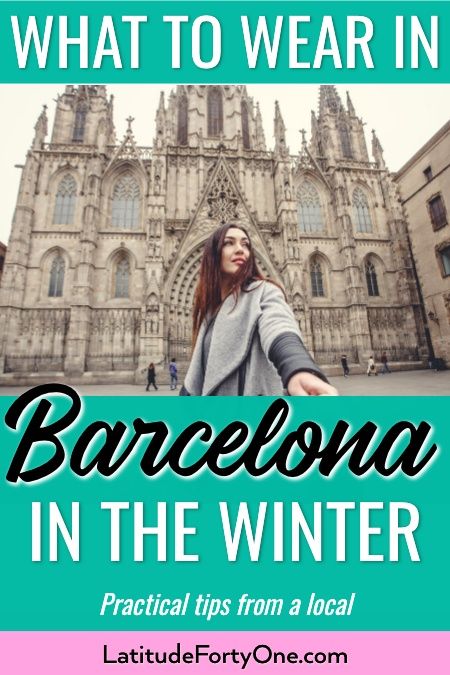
107, 235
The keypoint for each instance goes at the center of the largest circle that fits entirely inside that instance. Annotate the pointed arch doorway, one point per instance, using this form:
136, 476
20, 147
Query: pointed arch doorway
179, 303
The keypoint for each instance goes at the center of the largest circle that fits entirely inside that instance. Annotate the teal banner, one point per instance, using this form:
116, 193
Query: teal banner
220, 42
236, 514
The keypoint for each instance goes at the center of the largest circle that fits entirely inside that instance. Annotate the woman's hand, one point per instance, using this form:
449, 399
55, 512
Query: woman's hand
308, 384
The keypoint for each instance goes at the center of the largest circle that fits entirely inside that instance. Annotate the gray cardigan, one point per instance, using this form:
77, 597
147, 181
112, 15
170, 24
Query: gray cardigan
242, 336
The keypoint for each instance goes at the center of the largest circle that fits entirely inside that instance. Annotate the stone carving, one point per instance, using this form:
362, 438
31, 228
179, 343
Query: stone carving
222, 199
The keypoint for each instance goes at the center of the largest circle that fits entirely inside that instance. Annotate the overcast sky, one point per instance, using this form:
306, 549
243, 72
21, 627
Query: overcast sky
404, 117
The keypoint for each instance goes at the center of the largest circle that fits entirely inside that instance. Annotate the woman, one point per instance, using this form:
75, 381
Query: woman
246, 339
151, 376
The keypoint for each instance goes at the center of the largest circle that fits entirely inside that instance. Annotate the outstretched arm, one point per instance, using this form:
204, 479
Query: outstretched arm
280, 336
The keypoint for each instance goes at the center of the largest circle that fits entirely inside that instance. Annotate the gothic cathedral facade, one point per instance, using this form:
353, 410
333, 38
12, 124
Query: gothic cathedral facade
107, 236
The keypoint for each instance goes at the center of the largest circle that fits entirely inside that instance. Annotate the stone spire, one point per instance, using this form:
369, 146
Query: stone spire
40, 129
350, 107
316, 141
161, 111
112, 129
377, 151
160, 122
279, 131
259, 130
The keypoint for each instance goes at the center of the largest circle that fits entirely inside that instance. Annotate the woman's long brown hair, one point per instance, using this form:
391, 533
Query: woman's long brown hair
208, 294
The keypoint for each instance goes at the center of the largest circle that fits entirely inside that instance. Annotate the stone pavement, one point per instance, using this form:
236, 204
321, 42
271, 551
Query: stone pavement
407, 383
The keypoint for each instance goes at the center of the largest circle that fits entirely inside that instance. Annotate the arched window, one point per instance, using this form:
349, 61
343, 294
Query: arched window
371, 279
65, 201
126, 203
215, 112
362, 211
245, 127
182, 120
56, 282
310, 214
317, 288
122, 278
346, 143
80, 122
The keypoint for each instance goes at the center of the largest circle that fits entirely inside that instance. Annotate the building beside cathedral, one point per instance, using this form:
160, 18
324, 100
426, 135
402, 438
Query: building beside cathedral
424, 183
107, 235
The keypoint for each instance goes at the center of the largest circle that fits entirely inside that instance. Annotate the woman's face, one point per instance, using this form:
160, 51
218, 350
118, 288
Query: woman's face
235, 251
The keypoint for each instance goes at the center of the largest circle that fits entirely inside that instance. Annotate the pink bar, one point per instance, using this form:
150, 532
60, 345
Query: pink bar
369, 653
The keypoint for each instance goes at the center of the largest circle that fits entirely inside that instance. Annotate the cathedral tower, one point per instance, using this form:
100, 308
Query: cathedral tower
338, 133
84, 115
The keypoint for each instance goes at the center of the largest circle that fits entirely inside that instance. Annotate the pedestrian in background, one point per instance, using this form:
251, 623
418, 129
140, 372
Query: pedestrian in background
151, 376
344, 364
173, 372
371, 367
384, 361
